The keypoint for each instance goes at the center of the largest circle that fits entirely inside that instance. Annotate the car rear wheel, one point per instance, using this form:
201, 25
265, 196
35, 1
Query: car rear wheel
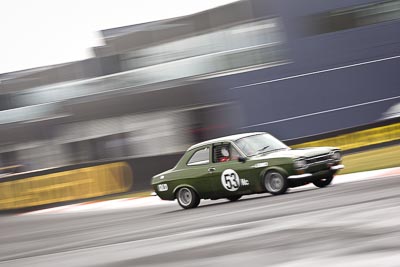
323, 182
234, 198
275, 183
187, 198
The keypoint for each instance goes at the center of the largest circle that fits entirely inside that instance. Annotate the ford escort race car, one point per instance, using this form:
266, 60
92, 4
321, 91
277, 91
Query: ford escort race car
233, 166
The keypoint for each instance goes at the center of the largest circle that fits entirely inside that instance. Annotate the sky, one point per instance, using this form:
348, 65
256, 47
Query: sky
45, 32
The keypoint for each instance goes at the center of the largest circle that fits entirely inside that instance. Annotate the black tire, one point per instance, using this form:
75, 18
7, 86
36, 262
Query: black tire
234, 198
323, 182
275, 183
187, 198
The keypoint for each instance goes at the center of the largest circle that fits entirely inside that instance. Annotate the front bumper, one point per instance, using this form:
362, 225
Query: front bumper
308, 175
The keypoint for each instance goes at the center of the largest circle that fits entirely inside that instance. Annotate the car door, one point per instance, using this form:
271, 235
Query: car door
227, 172
197, 173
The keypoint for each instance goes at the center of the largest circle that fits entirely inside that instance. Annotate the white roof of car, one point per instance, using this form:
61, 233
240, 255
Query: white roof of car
224, 139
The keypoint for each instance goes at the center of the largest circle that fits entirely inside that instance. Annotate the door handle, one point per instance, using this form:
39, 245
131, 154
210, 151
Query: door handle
211, 169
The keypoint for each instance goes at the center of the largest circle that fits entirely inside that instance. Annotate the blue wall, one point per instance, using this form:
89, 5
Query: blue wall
268, 102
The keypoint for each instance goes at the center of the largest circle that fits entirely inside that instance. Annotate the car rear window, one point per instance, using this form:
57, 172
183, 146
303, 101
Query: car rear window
201, 156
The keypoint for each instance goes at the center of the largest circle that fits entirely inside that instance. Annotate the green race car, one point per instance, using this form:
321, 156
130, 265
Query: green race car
233, 166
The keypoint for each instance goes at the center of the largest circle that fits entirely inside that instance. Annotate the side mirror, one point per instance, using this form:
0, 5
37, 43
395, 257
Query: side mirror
242, 159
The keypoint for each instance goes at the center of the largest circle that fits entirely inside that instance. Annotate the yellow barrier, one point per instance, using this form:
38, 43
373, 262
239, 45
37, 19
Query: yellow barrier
359, 139
67, 185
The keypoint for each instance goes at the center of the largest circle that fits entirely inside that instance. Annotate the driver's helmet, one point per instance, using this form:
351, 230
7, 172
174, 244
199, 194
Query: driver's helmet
224, 152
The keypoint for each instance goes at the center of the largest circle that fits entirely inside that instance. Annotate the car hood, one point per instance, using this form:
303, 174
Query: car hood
296, 153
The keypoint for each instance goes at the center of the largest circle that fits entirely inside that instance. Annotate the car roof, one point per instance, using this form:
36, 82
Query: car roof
228, 138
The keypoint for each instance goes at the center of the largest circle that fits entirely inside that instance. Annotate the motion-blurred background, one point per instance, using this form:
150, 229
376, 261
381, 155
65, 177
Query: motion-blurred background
301, 70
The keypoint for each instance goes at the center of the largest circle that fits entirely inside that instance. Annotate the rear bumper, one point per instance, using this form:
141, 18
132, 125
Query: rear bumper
332, 170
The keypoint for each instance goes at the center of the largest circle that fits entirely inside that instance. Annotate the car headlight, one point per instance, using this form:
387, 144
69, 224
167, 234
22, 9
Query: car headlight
300, 163
336, 155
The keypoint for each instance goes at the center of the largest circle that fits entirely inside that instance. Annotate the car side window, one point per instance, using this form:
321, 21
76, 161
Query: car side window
200, 157
234, 153
224, 153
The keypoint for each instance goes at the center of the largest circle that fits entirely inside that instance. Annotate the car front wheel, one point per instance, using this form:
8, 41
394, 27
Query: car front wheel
275, 183
323, 182
187, 198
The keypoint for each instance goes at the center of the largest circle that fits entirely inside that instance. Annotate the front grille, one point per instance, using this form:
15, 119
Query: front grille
317, 159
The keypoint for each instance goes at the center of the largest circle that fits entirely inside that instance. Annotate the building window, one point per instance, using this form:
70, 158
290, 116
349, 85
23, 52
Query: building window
353, 17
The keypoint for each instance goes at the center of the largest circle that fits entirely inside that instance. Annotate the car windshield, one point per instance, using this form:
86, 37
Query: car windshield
259, 144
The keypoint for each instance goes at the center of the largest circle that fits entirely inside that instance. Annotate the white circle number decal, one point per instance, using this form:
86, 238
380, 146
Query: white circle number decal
230, 180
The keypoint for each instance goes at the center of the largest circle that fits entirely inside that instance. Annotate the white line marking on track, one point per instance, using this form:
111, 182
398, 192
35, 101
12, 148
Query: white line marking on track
197, 238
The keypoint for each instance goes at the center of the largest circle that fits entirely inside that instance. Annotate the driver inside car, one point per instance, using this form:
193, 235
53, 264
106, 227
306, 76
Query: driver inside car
224, 155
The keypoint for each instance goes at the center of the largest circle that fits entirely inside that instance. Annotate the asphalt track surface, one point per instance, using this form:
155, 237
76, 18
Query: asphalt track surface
349, 224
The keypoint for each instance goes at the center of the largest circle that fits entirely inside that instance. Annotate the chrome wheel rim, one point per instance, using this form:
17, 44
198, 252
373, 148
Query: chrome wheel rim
185, 196
274, 182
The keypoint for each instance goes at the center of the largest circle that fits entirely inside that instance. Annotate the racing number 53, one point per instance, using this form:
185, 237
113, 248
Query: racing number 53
230, 180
